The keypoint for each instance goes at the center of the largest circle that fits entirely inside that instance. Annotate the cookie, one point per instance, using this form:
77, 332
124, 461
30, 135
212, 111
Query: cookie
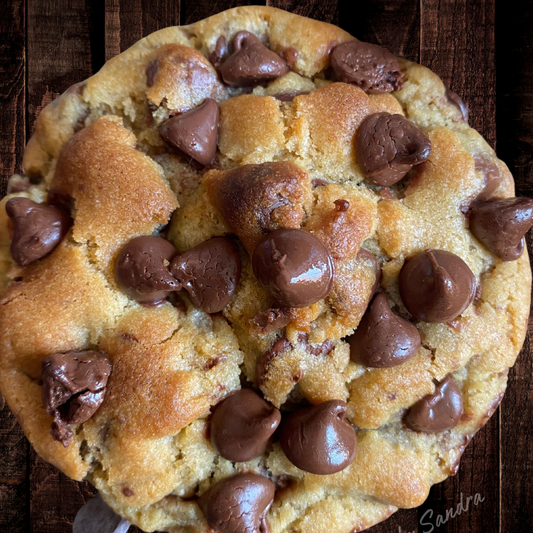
259, 276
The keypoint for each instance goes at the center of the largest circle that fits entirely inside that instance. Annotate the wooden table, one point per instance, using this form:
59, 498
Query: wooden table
482, 49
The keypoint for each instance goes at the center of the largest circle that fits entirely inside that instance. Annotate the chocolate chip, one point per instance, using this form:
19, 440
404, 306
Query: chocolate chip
501, 225
491, 174
74, 385
342, 205
38, 229
318, 439
141, 270
239, 504
368, 66
242, 425
294, 266
439, 411
210, 273
274, 318
151, 71
251, 63
458, 102
195, 132
220, 51
436, 286
388, 146
383, 339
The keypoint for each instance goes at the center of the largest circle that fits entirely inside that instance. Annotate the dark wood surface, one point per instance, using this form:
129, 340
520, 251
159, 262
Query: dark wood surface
482, 49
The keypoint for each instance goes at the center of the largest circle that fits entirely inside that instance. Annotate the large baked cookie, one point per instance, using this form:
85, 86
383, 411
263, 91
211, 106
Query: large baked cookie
259, 276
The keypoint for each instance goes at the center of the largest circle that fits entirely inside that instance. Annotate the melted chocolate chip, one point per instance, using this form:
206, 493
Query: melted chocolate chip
195, 132
490, 172
74, 385
290, 96
151, 71
368, 66
342, 205
458, 102
265, 359
141, 270
38, 229
388, 146
294, 266
239, 504
318, 439
257, 199
290, 55
242, 425
251, 63
274, 318
436, 286
501, 225
383, 339
439, 411
220, 51
210, 273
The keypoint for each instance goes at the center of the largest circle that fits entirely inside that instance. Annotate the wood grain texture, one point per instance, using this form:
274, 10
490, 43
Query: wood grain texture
457, 41
62, 49
14, 516
514, 57
194, 10
12, 97
323, 10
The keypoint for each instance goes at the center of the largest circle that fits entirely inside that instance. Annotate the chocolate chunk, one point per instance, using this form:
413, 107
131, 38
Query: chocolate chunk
239, 504
439, 411
436, 286
458, 102
294, 266
388, 146
242, 425
141, 270
501, 225
274, 318
74, 385
38, 229
210, 273
97, 517
251, 63
490, 172
383, 339
318, 439
368, 66
151, 71
195, 132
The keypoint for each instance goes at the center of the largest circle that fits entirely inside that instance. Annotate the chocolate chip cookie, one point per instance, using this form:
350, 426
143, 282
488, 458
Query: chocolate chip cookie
259, 276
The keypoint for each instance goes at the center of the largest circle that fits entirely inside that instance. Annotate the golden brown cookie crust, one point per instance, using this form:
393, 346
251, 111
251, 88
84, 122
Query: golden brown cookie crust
146, 448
